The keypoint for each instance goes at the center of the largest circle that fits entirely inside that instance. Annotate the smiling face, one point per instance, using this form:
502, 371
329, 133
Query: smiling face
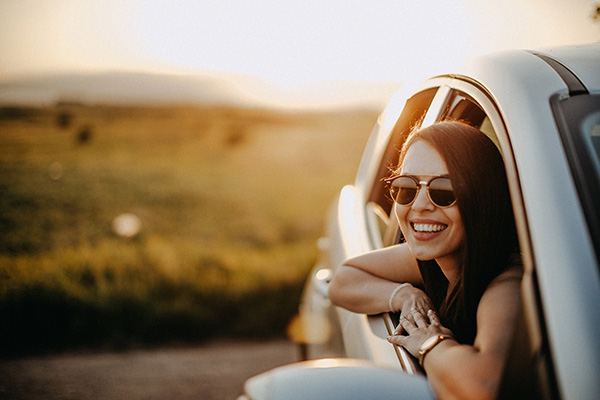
431, 232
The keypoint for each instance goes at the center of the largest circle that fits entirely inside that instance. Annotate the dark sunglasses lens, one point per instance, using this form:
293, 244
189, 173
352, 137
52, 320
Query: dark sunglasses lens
403, 190
441, 192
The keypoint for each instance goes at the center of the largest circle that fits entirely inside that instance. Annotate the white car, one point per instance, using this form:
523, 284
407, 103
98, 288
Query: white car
543, 111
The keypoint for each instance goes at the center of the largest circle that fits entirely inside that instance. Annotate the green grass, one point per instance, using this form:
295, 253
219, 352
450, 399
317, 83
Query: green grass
231, 202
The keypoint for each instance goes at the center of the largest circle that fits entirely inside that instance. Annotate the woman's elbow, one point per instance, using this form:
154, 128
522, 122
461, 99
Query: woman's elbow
335, 291
342, 287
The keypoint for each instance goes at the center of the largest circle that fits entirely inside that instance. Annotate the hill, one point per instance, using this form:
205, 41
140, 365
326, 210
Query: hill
127, 88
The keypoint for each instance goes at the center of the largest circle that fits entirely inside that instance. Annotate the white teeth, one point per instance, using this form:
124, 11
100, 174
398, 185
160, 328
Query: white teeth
429, 227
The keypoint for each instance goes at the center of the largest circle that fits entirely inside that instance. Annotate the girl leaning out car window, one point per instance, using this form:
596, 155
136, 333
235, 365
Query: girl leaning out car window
456, 278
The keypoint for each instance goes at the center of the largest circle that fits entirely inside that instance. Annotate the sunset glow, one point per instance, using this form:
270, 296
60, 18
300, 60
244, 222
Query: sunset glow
291, 42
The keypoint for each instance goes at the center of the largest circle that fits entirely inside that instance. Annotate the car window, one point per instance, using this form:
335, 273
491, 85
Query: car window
527, 357
591, 131
578, 120
530, 362
379, 204
458, 105
463, 107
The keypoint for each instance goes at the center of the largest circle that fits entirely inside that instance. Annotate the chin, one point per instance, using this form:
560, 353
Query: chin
422, 254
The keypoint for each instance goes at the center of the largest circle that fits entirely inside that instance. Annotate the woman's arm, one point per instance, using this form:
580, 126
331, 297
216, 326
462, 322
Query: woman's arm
458, 371
365, 283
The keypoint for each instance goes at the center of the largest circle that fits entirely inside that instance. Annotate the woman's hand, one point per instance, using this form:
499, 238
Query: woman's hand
408, 299
419, 328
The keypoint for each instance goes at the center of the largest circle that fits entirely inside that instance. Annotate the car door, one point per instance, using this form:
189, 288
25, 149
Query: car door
360, 220
532, 369
447, 97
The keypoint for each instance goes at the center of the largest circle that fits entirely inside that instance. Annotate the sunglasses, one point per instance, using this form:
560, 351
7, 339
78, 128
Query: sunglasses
405, 188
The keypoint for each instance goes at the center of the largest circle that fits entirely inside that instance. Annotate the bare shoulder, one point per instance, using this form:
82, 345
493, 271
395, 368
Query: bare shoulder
513, 274
505, 288
497, 310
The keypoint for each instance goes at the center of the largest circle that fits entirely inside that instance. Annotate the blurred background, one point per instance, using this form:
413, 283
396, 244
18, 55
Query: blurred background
166, 166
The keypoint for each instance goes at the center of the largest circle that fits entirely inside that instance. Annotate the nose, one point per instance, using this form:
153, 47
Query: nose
422, 201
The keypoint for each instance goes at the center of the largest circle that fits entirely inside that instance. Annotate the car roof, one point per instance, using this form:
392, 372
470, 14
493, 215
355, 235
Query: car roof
582, 60
536, 69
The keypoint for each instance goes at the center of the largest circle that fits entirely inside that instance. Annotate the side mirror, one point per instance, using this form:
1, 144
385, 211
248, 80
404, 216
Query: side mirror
333, 379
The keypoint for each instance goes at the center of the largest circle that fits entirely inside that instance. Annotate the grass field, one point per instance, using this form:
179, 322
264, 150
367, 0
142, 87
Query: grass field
229, 201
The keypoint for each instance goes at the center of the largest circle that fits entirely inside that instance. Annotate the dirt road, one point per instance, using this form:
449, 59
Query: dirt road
213, 371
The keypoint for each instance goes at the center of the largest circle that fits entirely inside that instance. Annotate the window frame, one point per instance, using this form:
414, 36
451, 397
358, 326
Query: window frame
534, 335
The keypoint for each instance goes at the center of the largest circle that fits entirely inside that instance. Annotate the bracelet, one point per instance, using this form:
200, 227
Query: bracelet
400, 286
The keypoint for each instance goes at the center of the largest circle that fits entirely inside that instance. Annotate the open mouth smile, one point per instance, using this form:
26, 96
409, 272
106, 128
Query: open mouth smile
428, 228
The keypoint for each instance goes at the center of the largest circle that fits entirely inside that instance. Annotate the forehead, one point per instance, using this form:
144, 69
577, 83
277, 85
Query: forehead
422, 159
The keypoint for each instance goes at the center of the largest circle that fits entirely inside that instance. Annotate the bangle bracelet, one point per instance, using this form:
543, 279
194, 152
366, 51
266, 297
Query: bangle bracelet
400, 286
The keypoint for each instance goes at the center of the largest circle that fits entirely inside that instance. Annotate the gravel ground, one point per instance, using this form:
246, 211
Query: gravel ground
216, 370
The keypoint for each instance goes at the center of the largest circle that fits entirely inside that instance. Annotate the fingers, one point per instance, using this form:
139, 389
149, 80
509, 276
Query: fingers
397, 339
417, 327
416, 319
433, 318
404, 325
399, 329
419, 318
408, 310
410, 322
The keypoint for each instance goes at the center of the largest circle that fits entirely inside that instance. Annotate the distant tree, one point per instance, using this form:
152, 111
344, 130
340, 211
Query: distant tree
84, 136
236, 134
63, 119
596, 13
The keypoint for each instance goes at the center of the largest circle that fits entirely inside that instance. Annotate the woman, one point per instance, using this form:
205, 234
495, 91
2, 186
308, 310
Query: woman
456, 279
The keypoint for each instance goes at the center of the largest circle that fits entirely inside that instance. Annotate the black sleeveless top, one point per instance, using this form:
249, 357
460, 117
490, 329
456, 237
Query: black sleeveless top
464, 327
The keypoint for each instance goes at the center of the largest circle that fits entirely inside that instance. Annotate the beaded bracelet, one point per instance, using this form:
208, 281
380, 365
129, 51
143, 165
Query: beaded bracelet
400, 286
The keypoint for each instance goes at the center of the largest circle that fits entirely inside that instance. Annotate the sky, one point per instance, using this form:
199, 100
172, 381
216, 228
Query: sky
289, 43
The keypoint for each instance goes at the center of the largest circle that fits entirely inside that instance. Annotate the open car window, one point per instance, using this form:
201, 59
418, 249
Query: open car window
482, 114
462, 107
455, 105
379, 205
